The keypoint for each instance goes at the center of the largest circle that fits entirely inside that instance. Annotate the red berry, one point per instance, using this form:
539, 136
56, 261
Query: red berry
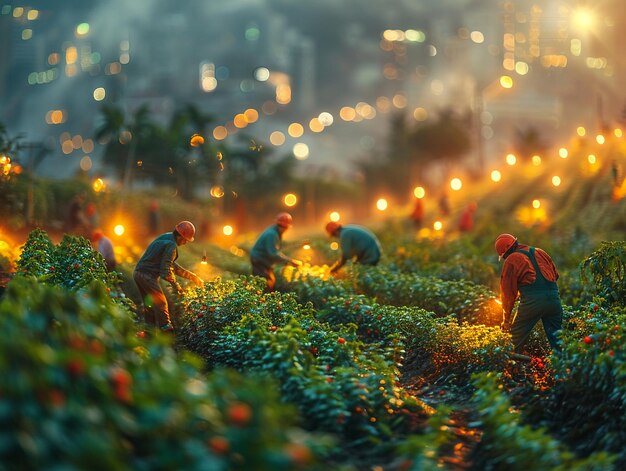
341, 340
239, 413
76, 266
219, 445
141, 334
587, 340
75, 367
121, 377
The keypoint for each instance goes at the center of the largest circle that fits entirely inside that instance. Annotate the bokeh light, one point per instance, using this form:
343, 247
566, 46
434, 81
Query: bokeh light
277, 138
419, 192
511, 159
290, 199
496, 176
600, 139
119, 229
301, 151
556, 180
536, 160
381, 204
536, 204
456, 184
437, 225
563, 153
227, 230
334, 216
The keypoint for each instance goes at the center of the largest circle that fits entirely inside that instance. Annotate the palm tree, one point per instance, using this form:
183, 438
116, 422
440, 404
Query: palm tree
122, 132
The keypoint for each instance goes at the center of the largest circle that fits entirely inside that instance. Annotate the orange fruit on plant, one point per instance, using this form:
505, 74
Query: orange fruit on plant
239, 413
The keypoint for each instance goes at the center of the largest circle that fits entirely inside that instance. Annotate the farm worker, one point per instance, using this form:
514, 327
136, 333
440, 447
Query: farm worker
531, 272
266, 250
105, 247
466, 221
356, 242
159, 261
417, 215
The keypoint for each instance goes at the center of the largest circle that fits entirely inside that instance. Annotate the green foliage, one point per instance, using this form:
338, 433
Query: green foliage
337, 382
79, 389
469, 302
607, 268
37, 258
506, 444
589, 393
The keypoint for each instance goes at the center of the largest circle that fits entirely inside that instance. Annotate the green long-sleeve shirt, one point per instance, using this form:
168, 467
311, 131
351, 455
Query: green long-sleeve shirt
266, 249
159, 259
359, 243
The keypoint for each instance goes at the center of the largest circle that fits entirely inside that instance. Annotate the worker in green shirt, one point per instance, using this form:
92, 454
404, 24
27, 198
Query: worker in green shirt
356, 243
159, 261
266, 250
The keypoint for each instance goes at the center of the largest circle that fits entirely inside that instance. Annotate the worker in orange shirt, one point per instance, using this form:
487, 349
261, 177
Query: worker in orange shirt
530, 272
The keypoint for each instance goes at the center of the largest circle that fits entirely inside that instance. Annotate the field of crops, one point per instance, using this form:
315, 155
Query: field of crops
400, 366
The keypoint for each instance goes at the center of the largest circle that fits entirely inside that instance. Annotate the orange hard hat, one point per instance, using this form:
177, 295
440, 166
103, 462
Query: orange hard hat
96, 235
503, 243
284, 219
332, 227
186, 229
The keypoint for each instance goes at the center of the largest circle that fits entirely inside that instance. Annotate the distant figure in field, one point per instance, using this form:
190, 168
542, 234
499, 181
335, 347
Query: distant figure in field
105, 247
76, 220
356, 243
417, 215
154, 218
444, 204
466, 221
91, 214
266, 250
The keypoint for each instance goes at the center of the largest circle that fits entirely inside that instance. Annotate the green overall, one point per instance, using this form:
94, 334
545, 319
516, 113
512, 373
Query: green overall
539, 300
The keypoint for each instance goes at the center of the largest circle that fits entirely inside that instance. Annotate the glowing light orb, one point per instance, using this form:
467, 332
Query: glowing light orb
419, 192
301, 151
563, 153
600, 139
438, 225
99, 94
381, 204
217, 191
496, 176
511, 159
536, 204
98, 185
591, 159
456, 184
196, 140
536, 160
227, 230
334, 216
556, 180
119, 230
334, 246
290, 199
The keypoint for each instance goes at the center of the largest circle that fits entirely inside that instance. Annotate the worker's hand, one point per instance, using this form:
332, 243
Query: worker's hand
295, 263
506, 326
197, 280
178, 289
